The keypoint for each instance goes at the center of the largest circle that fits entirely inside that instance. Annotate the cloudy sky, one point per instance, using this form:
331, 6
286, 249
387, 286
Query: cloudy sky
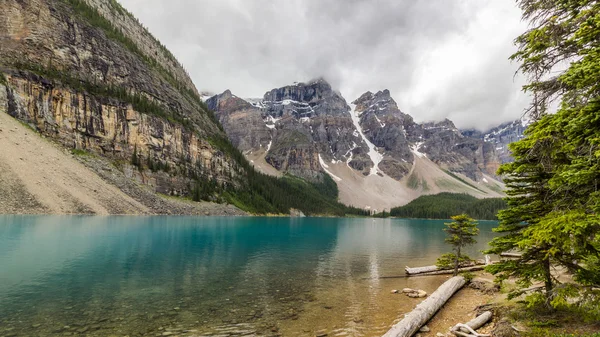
439, 58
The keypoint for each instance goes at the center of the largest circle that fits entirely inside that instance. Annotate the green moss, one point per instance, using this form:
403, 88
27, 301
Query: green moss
3, 80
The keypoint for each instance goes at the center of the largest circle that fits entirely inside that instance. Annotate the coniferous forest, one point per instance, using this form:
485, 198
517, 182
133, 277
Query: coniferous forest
446, 205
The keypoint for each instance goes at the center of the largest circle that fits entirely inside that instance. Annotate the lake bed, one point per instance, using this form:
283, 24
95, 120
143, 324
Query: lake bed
218, 276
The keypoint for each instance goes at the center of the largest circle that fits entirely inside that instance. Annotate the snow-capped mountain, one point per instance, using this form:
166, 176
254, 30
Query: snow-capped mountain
376, 153
502, 135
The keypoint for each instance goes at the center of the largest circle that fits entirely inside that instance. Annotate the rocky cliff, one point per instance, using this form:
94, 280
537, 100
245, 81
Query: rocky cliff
313, 131
499, 137
389, 129
448, 147
241, 120
308, 124
87, 74
311, 120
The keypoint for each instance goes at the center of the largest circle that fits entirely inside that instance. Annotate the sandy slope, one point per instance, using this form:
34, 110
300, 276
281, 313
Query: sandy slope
378, 192
257, 159
38, 177
382, 192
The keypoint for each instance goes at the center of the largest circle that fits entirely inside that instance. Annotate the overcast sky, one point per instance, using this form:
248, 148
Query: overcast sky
439, 58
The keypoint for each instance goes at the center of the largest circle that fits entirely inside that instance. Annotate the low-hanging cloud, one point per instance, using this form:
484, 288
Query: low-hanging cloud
440, 59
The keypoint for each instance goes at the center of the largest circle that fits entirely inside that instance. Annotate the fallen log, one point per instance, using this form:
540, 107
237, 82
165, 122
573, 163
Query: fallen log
430, 269
449, 271
470, 333
419, 270
423, 312
478, 321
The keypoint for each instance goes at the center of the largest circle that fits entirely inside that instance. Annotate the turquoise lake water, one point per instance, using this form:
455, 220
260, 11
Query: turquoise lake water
196, 276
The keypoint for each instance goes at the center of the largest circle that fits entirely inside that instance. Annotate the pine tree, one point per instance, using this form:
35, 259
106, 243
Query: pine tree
529, 200
461, 233
557, 172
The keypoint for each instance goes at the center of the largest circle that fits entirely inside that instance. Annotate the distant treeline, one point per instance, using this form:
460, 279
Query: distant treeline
445, 205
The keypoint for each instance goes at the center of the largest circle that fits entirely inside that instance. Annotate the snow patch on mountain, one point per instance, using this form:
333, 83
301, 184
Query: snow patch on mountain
415, 150
375, 156
380, 122
256, 102
269, 145
270, 121
325, 168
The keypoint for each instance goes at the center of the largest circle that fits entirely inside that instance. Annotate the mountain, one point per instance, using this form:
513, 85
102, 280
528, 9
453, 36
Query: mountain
377, 154
87, 75
401, 139
500, 136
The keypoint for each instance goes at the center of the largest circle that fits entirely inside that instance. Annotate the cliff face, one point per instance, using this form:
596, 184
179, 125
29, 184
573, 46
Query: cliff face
241, 120
387, 128
499, 137
399, 139
377, 154
311, 120
297, 126
447, 146
98, 81
311, 126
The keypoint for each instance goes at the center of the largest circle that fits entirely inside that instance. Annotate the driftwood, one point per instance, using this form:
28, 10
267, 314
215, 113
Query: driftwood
479, 321
431, 269
449, 271
470, 333
420, 270
468, 329
423, 312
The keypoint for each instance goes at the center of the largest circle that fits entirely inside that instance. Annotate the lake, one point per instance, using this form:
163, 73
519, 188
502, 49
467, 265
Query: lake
213, 276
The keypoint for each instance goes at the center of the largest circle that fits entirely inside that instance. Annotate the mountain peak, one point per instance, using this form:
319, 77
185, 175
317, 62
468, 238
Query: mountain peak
384, 93
226, 94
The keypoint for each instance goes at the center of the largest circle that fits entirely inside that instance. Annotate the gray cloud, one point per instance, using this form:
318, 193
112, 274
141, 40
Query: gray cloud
440, 59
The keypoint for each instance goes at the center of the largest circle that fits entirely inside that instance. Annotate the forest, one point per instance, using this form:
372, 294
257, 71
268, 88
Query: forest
445, 205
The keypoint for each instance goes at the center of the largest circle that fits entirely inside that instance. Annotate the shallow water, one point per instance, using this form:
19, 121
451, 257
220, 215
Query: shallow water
195, 276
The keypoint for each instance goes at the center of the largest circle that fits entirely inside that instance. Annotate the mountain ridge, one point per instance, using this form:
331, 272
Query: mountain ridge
347, 138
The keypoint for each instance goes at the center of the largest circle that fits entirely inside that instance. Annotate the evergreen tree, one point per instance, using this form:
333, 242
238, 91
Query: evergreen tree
461, 233
558, 165
529, 200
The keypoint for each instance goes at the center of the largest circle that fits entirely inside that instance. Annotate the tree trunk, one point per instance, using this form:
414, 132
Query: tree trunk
420, 270
547, 279
449, 271
423, 312
457, 258
478, 321
428, 269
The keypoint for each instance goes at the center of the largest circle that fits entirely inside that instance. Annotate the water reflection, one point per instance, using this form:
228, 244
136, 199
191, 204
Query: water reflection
142, 275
